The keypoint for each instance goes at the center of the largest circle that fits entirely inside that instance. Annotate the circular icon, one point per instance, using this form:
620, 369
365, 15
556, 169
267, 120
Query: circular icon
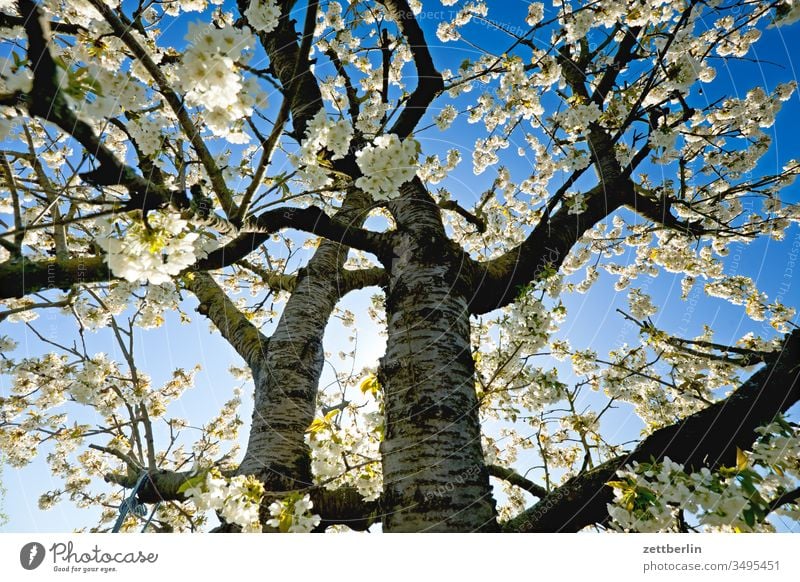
31, 555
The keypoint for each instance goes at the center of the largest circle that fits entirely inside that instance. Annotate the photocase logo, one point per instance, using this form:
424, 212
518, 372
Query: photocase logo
31, 555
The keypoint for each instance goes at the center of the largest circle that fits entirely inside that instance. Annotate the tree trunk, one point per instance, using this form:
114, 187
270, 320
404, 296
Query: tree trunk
435, 478
287, 376
286, 379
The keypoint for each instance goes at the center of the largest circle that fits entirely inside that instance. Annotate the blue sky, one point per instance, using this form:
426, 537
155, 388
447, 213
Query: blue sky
592, 320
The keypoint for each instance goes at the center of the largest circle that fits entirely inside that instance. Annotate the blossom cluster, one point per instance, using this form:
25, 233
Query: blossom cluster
153, 252
434, 171
322, 133
210, 77
91, 387
237, 499
387, 164
346, 454
648, 496
263, 15
292, 514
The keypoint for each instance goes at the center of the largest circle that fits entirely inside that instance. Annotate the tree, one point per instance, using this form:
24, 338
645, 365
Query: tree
145, 173
3, 516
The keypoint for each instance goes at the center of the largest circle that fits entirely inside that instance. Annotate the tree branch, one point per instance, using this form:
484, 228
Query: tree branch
429, 80
351, 280
10, 21
624, 54
474, 219
708, 438
234, 326
749, 357
792, 496
289, 97
294, 74
498, 282
659, 212
274, 280
337, 506
47, 305
344, 506
158, 486
133, 464
46, 101
312, 220
350, 91
514, 478
23, 276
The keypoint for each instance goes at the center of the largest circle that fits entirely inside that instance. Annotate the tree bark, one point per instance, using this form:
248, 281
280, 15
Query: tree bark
287, 376
435, 477
232, 324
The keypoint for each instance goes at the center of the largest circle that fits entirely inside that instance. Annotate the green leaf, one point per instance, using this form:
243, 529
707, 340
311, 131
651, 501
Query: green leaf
285, 522
191, 482
646, 495
748, 487
320, 424
749, 517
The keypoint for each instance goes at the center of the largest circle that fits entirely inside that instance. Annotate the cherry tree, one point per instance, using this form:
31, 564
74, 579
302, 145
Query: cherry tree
275, 156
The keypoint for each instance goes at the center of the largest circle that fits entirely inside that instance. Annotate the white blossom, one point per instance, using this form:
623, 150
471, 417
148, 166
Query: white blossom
154, 254
386, 165
263, 15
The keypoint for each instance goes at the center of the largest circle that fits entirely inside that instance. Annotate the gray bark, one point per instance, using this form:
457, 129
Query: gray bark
435, 478
287, 376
